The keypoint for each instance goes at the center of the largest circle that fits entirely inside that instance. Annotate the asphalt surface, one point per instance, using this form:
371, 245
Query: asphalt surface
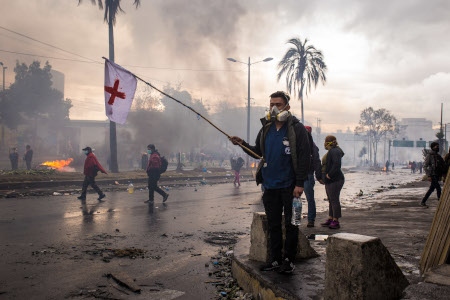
56, 247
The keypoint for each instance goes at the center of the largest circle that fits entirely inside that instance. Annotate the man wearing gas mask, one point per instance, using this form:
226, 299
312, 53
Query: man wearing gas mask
284, 147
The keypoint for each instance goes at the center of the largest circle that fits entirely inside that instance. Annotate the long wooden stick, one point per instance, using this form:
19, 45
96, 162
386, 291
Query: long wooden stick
190, 108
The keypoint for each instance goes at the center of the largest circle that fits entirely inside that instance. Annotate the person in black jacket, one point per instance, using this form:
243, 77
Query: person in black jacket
28, 157
314, 167
14, 158
283, 145
334, 180
434, 167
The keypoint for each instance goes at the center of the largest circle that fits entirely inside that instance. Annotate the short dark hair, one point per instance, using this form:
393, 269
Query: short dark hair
151, 146
281, 94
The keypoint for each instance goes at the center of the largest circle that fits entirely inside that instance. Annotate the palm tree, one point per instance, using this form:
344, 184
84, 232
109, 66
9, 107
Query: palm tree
112, 8
303, 66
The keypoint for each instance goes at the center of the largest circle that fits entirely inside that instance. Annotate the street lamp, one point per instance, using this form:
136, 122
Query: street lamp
4, 68
3, 127
248, 92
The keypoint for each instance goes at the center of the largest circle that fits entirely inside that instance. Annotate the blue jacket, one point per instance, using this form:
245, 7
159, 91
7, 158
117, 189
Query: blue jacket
299, 144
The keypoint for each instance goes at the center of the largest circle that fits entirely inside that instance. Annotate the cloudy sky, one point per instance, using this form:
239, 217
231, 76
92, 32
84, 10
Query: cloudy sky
384, 54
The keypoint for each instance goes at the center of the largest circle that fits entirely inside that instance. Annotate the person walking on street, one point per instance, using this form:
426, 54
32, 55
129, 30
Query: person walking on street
28, 157
91, 168
283, 144
14, 158
334, 180
434, 168
154, 173
314, 167
236, 165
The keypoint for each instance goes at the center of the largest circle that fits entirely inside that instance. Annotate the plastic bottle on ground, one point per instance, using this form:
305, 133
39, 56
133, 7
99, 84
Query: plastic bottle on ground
296, 211
130, 188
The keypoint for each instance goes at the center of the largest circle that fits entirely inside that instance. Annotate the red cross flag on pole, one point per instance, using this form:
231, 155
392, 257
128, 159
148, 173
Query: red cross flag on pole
120, 86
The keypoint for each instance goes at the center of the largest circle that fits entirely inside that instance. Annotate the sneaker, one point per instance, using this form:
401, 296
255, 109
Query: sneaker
423, 205
334, 225
270, 266
327, 223
101, 197
310, 224
287, 267
165, 197
81, 198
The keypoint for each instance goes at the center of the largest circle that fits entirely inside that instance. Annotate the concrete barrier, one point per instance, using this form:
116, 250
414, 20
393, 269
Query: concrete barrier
360, 267
259, 241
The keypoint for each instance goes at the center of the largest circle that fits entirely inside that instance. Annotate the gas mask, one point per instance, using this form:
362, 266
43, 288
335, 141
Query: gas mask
149, 151
277, 115
85, 152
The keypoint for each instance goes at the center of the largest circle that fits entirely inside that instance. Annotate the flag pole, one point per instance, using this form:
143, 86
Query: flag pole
190, 108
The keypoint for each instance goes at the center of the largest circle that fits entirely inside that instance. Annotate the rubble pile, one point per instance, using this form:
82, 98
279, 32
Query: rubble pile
220, 272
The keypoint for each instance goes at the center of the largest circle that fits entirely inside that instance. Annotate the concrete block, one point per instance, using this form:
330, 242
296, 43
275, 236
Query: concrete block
360, 267
259, 241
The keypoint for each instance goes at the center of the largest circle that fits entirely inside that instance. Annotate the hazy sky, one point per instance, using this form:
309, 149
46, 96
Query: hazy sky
384, 54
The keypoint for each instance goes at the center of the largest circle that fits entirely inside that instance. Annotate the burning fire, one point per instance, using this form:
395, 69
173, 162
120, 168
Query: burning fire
57, 164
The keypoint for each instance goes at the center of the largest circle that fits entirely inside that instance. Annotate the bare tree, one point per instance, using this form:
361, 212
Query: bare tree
376, 124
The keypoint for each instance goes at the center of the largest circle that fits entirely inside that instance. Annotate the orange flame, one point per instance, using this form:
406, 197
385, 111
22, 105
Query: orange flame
57, 164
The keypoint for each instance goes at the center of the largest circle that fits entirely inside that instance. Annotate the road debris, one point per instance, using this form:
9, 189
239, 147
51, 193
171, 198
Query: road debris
222, 279
125, 281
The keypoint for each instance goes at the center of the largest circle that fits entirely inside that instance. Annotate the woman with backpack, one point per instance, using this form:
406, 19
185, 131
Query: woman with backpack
236, 165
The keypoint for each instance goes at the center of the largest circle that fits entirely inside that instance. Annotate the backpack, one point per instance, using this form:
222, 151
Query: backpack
164, 164
439, 165
436, 164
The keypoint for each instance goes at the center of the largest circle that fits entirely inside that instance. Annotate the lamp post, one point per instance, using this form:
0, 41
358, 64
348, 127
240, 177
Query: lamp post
4, 68
248, 93
3, 127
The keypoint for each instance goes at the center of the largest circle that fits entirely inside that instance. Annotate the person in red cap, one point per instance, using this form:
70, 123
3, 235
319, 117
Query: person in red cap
314, 167
91, 168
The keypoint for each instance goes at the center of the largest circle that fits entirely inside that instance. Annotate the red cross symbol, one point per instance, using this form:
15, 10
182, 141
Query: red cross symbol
114, 92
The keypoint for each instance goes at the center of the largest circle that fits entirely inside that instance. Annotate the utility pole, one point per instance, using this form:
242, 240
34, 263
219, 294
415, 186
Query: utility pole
389, 152
318, 129
441, 133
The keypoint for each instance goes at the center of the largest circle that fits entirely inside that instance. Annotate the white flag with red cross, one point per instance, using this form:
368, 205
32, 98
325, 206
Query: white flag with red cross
120, 86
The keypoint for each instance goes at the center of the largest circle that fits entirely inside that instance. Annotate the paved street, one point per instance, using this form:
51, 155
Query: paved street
55, 247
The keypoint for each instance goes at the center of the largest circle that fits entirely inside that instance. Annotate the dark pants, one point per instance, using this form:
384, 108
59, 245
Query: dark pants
14, 164
88, 180
333, 190
28, 162
309, 193
275, 201
434, 185
153, 187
